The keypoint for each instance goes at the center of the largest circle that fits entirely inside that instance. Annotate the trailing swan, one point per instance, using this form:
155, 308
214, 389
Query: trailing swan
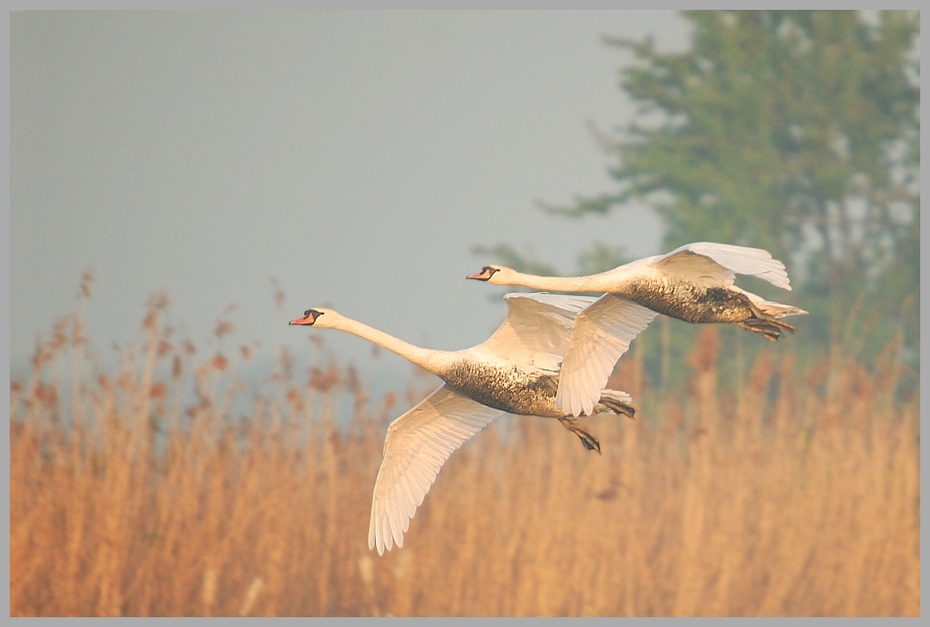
514, 371
694, 283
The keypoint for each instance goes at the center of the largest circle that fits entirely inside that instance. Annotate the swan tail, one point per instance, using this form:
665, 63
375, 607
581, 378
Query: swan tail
777, 310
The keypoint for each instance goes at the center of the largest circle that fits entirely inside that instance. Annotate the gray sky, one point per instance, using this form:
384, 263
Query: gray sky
356, 157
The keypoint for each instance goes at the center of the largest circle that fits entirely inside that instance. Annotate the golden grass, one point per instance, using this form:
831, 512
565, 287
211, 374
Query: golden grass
797, 494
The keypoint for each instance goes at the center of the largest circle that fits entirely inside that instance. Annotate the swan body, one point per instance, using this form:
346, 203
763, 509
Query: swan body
694, 283
515, 371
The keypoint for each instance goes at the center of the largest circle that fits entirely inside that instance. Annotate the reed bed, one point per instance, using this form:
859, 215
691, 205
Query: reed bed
139, 491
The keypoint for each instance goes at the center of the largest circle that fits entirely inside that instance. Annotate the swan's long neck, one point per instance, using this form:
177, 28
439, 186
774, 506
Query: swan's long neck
592, 283
432, 360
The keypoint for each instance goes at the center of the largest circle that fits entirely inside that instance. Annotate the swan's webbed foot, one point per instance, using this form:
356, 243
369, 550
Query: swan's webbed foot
769, 327
587, 440
618, 407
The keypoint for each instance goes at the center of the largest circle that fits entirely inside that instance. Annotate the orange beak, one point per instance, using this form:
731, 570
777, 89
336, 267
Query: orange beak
309, 318
484, 275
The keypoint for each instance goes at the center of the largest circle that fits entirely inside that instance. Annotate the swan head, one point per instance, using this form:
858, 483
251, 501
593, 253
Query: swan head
311, 316
497, 275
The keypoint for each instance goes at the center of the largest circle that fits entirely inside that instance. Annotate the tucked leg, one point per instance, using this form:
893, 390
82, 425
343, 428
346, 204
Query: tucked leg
616, 407
588, 440
764, 324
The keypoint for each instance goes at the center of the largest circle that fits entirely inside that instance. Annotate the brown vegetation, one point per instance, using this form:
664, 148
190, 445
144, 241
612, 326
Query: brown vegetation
795, 494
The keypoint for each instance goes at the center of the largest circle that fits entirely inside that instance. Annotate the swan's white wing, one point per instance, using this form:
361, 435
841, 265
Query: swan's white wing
600, 335
729, 259
537, 328
415, 448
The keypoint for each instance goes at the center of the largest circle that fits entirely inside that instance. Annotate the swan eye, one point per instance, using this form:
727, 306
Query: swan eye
490, 270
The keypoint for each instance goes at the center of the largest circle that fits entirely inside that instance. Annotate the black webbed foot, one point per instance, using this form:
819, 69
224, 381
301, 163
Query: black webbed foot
769, 327
587, 440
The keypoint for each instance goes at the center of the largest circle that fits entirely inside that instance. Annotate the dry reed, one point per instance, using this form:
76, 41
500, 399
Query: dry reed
796, 495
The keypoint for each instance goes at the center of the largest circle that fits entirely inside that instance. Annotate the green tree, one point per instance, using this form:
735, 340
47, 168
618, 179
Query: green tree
794, 131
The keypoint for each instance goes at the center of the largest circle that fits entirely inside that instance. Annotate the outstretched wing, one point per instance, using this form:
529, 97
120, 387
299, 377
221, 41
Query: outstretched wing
416, 446
600, 335
721, 261
537, 328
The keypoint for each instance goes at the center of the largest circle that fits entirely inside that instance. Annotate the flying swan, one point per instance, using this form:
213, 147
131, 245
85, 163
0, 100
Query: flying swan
692, 283
514, 371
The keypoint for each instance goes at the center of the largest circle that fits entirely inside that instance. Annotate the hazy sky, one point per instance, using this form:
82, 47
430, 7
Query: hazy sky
355, 157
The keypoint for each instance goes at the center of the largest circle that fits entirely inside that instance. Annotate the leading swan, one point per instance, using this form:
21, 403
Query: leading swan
694, 283
514, 371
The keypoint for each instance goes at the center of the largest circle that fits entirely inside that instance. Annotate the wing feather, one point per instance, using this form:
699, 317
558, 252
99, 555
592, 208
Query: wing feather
600, 335
416, 446
755, 262
537, 328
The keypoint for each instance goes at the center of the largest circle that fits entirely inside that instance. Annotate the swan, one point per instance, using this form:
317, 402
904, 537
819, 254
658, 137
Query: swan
514, 371
694, 282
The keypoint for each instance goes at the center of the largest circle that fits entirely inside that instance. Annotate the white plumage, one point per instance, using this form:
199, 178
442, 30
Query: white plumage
514, 371
416, 446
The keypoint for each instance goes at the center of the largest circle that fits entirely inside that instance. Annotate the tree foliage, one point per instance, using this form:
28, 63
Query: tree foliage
794, 131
